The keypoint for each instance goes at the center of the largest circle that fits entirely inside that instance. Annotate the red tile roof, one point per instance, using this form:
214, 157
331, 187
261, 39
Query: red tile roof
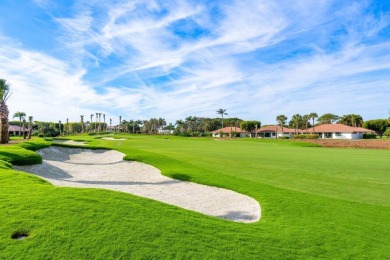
16, 128
333, 128
275, 128
228, 129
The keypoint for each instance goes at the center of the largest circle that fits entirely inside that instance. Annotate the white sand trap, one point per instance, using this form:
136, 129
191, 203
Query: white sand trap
85, 168
113, 139
69, 142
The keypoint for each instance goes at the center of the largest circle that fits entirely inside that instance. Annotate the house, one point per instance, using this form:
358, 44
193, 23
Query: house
15, 130
229, 131
339, 131
275, 131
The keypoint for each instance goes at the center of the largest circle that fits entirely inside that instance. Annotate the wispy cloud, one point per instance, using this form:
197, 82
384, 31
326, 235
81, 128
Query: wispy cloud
172, 59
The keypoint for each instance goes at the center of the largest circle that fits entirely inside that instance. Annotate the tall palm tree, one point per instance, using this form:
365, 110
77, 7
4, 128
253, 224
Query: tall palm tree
96, 119
281, 119
306, 119
24, 128
110, 124
30, 119
90, 126
59, 126
67, 126
313, 116
120, 122
104, 123
221, 112
21, 116
82, 123
4, 112
296, 120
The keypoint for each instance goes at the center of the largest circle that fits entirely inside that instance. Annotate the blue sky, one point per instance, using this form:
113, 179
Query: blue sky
173, 59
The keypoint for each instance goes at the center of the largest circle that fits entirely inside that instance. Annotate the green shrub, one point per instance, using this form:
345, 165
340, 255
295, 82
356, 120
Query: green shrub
369, 136
284, 137
306, 136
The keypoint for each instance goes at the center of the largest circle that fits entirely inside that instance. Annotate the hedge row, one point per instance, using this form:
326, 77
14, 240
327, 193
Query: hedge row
306, 136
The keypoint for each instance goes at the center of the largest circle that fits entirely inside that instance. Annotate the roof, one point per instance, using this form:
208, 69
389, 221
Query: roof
274, 129
228, 129
16, 128
332, 128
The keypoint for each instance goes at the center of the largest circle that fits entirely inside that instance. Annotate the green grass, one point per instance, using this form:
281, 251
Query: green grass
316, 203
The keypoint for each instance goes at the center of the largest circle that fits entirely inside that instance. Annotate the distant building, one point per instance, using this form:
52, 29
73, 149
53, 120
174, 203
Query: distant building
229, 131
339, 131
15, 129
275, 131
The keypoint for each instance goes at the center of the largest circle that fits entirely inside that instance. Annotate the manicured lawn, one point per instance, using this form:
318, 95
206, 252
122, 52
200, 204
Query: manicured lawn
316, 203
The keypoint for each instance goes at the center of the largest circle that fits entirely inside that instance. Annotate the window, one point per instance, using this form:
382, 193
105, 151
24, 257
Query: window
338, 134
328, 135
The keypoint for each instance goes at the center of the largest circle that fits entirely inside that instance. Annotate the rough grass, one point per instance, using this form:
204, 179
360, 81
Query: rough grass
316, 203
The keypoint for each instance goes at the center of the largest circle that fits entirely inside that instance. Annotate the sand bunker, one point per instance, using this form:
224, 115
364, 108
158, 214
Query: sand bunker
113, 139
69, 142
85, 168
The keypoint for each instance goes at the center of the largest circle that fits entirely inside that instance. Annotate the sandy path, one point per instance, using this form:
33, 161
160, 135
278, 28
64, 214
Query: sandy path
84, 168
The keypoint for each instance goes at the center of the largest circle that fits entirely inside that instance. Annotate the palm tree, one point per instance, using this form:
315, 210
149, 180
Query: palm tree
296, 120
110, 124
281, 119
221, 112
313, 116
90, 126
306, 119
4, 112
30, 119
21, 116
59, 126
104, 121
24, 128
96, 119
120, 122
82, 123
67, 126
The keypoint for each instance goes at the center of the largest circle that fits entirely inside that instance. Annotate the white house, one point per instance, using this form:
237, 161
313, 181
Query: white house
339, 131
274, 131
229, 131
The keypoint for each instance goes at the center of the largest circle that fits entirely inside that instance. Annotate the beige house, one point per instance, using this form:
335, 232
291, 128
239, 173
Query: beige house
229, 131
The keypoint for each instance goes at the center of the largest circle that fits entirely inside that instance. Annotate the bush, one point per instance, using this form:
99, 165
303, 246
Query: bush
284, 137
369, 136
306, 136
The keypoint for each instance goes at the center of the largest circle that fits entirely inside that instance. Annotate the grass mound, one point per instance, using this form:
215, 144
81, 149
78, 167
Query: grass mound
19, 156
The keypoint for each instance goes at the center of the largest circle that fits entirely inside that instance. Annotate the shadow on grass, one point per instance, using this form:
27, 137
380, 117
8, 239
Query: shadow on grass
182, 177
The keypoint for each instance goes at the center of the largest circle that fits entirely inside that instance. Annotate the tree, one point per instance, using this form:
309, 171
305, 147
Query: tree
82, 123
4, 112
30, 120
281, 119
90, 125
313, 116
305, 120
59, 126
21, 116
328, 119
351, 120
104, 123
296, 121
24, 128
221, 112
377, 125
250, 126
120, 123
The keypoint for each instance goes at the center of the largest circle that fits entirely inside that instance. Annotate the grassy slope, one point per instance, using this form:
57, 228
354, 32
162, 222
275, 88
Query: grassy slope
316, 202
